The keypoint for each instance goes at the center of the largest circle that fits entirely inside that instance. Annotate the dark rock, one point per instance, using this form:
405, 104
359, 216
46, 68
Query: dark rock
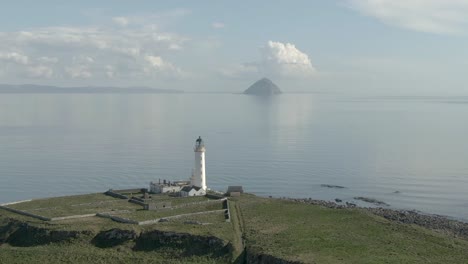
252, 257
371, 200
190, 244
332, 186
338, 200
263, 87
25, 235
113, 237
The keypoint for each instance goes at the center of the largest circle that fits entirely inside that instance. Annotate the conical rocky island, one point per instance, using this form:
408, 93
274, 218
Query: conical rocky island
263, 87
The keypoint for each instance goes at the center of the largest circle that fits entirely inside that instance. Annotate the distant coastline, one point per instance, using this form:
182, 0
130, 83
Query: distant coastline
31, 89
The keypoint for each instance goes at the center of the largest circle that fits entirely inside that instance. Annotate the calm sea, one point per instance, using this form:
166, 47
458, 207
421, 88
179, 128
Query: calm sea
410, 152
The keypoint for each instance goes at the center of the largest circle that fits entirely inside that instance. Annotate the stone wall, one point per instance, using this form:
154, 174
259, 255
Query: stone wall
227, 212
115, 195
40, 217
153, 221
118, 219
71, 217
136, 201
136, 190
214, 196
201, 202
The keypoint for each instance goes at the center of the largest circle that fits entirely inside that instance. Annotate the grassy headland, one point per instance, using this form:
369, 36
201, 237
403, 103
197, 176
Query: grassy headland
261, 229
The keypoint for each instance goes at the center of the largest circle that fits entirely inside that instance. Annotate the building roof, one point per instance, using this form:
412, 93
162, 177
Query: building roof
189, 188
235, 189
186, 189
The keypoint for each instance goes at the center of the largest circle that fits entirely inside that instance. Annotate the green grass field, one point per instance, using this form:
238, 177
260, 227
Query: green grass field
75, 205
279, 228
313, 234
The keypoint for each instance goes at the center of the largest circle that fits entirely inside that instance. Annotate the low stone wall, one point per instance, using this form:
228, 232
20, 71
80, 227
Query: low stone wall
138, 199
214, 196
118, 219
195, 203
135, 201
40, 217
227, 212
71, 217
135, 190
153, 221
116, 195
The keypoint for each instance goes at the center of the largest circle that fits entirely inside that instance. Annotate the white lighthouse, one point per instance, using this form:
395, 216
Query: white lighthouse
198, 174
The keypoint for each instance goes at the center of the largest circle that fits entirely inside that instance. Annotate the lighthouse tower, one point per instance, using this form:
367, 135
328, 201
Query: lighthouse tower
198, 174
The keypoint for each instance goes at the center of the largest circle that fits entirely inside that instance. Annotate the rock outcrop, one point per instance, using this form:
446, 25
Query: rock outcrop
261, 258
113, 237
21, 234
189, 243
263, 87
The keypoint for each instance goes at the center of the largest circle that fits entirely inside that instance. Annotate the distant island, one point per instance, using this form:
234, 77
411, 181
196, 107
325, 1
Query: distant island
263, 87
31, 88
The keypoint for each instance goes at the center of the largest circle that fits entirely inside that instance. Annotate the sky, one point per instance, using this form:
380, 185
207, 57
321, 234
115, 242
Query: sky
384, 47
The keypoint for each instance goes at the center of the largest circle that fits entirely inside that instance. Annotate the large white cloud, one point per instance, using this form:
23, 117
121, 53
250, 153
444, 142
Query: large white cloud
277, 59
93, 53
434, 16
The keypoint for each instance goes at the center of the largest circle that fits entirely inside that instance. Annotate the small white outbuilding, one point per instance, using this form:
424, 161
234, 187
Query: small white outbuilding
192, 191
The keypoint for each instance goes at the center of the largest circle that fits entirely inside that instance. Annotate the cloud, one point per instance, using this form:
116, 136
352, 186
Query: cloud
121, 21
47, 60
78, 72
286, 59
14, 57
432, 16
85, 52
40, 71
240, 70
157, 64
217, 25
152, 19
175, 46
278, 59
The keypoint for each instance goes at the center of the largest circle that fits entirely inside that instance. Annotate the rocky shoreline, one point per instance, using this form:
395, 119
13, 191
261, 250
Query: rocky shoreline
434, 222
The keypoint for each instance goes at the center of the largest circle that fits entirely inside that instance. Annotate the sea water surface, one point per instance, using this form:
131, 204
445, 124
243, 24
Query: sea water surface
410, 152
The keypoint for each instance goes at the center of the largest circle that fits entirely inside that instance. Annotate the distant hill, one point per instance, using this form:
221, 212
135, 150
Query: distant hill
31, 88
263, 87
